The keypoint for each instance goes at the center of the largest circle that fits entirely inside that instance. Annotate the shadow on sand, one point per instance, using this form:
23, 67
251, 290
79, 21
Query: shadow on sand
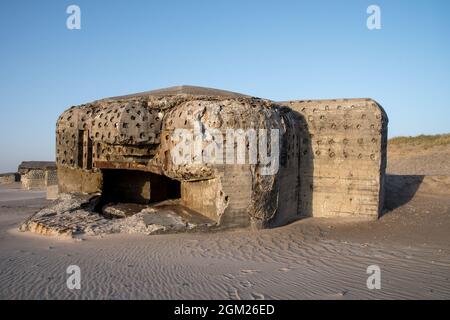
399, 190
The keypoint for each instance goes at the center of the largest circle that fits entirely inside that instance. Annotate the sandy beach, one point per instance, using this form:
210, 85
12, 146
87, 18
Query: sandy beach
309, 259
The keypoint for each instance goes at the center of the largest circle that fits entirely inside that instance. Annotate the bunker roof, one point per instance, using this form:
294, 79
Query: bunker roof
33, 165
184, 89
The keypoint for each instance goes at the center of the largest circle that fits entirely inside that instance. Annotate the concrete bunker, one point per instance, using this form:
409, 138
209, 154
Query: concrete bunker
37, 174
331, 156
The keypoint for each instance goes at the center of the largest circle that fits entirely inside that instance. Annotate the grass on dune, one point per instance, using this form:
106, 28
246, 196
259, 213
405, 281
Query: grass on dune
427, 141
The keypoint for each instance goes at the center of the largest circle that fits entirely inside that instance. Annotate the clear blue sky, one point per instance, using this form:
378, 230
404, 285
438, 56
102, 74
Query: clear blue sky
274, 49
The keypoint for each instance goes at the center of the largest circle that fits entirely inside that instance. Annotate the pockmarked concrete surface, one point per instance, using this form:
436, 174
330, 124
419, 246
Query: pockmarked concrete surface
306, 158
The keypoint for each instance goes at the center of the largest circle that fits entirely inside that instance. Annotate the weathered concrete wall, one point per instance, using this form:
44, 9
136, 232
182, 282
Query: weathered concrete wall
289, 172
251, 198
79, 180
237, 186
203, 196
343, 157
51, 177
331, 163
34, 179
52, 192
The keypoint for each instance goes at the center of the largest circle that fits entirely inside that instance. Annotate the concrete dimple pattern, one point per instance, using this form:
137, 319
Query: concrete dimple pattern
343, 157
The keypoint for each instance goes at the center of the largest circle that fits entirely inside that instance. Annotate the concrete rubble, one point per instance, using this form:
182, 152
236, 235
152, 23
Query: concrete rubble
75, 215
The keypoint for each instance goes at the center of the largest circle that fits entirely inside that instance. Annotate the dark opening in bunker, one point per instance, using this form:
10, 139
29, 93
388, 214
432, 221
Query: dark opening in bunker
129, 186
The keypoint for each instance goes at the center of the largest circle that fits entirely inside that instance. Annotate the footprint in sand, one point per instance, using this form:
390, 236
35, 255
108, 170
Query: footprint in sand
338, 295
249, 271
233, 294
246, 284
229, 276
257, 296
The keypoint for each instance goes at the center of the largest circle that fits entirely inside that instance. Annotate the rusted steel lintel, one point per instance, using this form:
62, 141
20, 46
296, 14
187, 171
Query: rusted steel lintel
127, 166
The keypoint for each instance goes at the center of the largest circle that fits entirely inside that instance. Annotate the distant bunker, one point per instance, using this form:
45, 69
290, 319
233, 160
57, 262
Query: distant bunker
8, 178
37, 174
315, 158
